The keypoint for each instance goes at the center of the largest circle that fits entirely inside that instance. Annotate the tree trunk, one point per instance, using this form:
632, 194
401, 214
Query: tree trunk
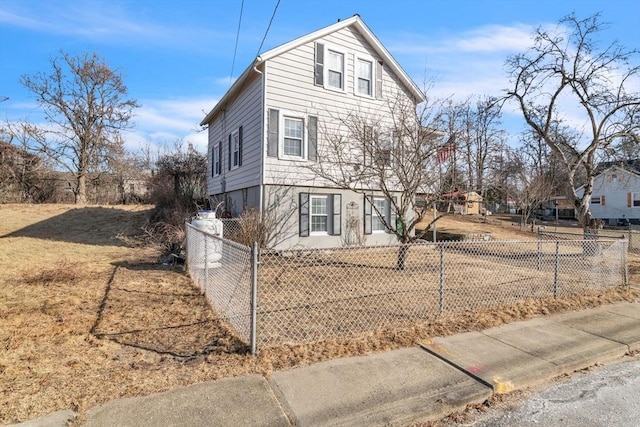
403, 252
81, 191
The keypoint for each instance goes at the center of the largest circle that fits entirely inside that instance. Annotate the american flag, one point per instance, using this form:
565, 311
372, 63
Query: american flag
445, 151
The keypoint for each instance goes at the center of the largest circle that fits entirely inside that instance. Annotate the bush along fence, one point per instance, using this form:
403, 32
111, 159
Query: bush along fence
305, 295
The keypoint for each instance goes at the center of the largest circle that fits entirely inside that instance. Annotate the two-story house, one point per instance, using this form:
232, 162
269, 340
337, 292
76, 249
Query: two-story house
616, 193
267, 132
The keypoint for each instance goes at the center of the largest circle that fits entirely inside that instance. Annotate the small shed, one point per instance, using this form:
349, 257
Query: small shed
465, 203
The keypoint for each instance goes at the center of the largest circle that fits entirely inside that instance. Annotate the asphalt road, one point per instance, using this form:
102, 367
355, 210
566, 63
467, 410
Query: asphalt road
600, 396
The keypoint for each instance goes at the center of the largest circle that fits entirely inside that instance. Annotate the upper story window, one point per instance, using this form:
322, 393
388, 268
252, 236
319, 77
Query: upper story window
235, 150
216, 167
293, 144
364, 77
335, 69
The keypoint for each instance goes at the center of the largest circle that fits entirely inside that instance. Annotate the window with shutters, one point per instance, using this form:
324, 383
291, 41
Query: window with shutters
320, 214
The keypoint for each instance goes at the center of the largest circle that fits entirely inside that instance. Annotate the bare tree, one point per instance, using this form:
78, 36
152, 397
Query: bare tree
396, 158
566, 75
85, 103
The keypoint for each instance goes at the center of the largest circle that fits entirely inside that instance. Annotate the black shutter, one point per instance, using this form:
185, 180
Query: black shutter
312, 129
240, 146
303, 210
319, 65
213, 161
230, 152
335, 214
219, 170
367, 214
378, 79
272, 133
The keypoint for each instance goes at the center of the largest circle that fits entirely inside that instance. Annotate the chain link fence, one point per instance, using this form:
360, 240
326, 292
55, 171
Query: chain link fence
631, 235
307, 295
222, 269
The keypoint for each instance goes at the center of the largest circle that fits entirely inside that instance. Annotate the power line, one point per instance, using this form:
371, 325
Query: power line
235, 50
268, 27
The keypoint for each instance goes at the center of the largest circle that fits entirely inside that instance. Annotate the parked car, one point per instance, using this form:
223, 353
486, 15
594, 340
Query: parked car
623, 222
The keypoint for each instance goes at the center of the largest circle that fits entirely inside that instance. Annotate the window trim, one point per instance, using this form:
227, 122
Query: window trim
305, 140
326, 214
235, 149
377, 216
327, 68
217, 160
372, 81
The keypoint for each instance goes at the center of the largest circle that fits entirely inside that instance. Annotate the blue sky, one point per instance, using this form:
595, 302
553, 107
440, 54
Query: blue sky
177, 56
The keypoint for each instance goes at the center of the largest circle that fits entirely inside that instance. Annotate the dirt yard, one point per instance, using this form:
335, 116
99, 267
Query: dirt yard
87, 315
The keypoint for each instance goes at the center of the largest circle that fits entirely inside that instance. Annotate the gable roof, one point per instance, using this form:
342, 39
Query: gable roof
631, 165
356, 22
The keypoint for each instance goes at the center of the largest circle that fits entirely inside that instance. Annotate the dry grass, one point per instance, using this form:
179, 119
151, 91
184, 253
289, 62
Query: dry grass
85, 316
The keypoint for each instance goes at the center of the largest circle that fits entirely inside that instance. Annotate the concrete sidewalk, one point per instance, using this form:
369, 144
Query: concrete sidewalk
399, 387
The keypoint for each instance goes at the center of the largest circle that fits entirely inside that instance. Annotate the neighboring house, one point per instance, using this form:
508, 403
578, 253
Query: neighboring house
465, 203
557, 206
273, 122
616, 194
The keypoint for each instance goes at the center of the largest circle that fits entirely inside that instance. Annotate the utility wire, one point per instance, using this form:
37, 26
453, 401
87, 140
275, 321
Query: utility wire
235, 50
268, 27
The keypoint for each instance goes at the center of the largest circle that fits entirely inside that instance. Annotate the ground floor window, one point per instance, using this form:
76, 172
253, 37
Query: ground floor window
320, 214
380, 206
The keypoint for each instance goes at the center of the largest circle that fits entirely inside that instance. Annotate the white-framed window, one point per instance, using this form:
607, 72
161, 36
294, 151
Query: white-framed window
217, 159
364, 80
635, 200
385, 145
595, 200
235, 150
318, 214
334, 69
293, 137
379, 209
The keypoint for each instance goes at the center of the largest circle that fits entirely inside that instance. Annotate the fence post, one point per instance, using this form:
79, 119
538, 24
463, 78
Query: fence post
539, 258
206, 261
441, 289
254, 295
625, 267
555, 272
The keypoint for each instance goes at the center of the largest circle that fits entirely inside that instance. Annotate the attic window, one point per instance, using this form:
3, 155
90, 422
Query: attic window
335, 69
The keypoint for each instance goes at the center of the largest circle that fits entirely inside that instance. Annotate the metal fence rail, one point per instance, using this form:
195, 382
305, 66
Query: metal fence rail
632, 236
312, 294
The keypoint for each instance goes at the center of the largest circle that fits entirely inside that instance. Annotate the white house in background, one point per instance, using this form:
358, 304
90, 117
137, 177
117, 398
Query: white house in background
272, 123
616, 194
